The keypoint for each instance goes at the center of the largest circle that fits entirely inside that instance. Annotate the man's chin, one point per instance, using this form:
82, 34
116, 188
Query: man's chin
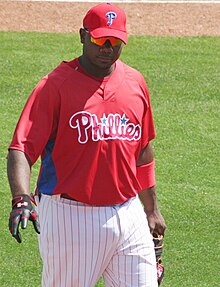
105, 64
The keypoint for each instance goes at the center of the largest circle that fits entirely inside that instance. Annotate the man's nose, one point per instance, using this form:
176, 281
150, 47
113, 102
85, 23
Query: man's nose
107, 45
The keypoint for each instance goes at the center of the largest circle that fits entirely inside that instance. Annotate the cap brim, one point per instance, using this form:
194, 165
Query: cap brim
107, 32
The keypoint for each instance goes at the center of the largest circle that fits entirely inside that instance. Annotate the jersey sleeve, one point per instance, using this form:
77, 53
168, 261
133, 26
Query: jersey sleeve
148, 129
38, 121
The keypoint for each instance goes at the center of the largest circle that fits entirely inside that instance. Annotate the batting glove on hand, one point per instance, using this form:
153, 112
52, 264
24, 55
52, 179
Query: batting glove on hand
158, 247
22, 211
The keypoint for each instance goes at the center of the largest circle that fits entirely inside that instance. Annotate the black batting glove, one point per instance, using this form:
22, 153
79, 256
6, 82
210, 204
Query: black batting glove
22, 211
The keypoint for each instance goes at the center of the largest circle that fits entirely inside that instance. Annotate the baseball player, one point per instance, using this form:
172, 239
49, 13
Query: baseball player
90, 120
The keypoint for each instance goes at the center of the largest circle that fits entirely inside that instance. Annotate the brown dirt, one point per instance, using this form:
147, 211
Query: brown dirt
143, 18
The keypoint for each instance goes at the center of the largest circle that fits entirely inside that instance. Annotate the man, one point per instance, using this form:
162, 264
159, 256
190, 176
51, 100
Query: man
91, 122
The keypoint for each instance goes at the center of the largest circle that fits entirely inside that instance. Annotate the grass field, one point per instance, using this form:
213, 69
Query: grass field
183, 77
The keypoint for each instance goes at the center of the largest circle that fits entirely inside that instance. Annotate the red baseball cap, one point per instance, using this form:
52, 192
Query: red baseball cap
106, 20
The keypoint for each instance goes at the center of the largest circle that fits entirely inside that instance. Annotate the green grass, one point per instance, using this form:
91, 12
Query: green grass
183, 78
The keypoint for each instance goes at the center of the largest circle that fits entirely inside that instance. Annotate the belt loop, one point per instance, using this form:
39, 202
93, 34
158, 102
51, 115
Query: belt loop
56, 196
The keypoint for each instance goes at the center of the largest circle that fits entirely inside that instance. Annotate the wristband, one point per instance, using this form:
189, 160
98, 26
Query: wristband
146, 175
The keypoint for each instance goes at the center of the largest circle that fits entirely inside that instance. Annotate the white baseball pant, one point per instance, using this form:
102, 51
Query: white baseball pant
80, 243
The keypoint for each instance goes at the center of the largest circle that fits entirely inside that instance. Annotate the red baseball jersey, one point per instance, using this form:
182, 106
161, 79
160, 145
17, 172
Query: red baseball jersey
88, 132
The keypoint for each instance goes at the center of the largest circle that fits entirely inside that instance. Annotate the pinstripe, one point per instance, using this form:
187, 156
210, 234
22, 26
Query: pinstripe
56, 247
83, 231
51, 239
78, 250
71, 240
86, 236
92, 241
97, 249
42, 224
68, 235
61, 249
80, 242
65, 234
105, 237
57, 232
47, 241
61, 228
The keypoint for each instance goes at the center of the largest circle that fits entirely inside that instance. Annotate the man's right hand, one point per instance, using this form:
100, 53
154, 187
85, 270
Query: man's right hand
22, 211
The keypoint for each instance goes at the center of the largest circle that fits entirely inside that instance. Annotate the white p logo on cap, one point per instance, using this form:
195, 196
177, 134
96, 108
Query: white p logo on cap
111, 16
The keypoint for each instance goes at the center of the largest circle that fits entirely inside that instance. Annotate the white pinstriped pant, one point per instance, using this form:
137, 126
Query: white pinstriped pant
79, 243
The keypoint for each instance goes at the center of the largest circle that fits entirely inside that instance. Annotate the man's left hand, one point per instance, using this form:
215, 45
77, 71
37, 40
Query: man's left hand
156, 222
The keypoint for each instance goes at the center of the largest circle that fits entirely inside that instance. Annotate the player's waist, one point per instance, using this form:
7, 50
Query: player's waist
66, 196
99, 197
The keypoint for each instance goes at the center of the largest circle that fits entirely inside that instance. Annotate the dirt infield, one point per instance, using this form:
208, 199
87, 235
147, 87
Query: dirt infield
143, 18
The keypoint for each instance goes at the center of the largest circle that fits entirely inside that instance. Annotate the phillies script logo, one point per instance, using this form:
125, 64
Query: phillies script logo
111, 127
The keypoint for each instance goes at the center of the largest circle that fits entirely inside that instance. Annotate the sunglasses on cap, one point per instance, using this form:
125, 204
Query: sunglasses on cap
101, 41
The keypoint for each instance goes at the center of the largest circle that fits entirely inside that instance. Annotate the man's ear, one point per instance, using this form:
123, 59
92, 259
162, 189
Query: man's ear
82, 33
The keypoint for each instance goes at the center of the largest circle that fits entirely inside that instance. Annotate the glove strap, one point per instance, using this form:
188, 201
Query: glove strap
21, 201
